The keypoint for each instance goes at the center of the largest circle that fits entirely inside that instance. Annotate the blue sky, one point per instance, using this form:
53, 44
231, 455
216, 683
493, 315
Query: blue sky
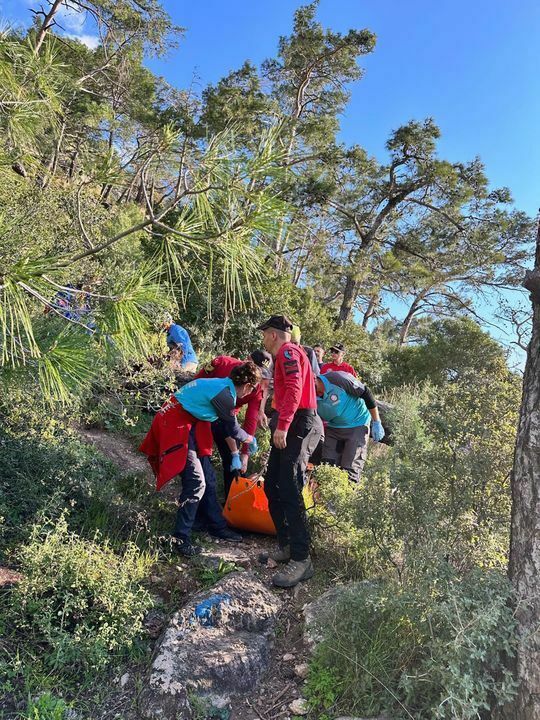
473, 65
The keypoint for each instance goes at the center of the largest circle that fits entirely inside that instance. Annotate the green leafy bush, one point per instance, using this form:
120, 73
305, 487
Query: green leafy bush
434, 649
45, 707
78, 598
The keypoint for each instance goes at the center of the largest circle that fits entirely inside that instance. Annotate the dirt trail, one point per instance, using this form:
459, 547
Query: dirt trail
282, 684
117, 448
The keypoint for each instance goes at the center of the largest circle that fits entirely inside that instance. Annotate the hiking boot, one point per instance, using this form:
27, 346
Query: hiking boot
186, 547
226, 534
293, 572
281, 555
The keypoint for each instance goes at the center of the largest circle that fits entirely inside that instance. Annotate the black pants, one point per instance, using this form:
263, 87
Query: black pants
284, 480
220, 431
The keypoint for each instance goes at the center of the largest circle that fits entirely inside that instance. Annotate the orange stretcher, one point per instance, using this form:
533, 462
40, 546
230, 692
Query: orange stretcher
246, 507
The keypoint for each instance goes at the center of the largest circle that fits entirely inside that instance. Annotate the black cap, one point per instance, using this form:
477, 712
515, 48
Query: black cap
264, 360
278, 322
338, 347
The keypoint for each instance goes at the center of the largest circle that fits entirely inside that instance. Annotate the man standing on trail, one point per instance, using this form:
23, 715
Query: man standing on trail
181, 434
233, 459
337, 351
294, 425
348, 407
179, 336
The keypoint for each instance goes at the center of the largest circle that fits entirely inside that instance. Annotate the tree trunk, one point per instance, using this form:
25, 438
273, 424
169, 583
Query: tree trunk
524, 569
352, 287
406, 324
47, 23
370, 310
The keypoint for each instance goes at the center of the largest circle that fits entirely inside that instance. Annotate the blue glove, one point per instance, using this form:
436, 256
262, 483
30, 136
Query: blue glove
236, 463
253, 446
377, 430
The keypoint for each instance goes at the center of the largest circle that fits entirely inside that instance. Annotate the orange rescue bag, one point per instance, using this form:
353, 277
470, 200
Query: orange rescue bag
246, 507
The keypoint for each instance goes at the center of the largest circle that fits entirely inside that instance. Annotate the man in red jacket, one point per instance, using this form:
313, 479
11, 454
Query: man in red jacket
337, 352
296, 429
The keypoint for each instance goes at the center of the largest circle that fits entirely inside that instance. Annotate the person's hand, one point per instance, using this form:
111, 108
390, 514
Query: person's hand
262, 420
244, 457
253, 446
377, 430
236, 463
280, 439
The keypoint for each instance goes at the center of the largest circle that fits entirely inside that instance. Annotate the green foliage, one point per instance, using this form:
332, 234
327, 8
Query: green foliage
433, 649
446, 351
321, 689
79, 598
45, 707
209, 576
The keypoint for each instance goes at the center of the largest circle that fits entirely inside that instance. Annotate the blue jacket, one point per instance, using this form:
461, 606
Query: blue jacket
178, 334
342, 405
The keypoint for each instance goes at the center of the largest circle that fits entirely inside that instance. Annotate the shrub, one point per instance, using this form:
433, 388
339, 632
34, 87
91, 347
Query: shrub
45, 707
78, 598
435, 649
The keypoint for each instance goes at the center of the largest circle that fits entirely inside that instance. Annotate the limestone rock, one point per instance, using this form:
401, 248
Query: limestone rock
302, 670
299, 707
196, 664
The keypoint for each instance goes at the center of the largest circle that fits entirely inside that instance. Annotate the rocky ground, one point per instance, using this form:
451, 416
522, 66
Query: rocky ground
267, 672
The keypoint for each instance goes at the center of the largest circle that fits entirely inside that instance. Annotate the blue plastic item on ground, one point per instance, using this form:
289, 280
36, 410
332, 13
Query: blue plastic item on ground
207, 610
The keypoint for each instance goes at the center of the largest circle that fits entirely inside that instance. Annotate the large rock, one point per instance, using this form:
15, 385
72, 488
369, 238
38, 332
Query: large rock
197, 666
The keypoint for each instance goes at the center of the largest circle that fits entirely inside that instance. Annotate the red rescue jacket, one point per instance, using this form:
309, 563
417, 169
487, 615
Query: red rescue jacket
342, 367
294, 384
166, 443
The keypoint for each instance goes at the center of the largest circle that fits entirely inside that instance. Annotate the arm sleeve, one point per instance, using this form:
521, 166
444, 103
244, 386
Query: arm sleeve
370, 401
224, 406
252, 414
292, 378
233, 429
177, 336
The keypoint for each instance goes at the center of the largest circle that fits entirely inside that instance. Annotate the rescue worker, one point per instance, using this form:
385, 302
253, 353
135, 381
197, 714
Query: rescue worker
233, 460
296, 430
318, 349
296, 335
348, 407
337, 351
177, 335
181, 433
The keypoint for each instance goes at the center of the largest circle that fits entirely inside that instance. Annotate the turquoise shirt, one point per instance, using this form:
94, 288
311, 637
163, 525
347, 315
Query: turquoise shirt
196, 397
339, 409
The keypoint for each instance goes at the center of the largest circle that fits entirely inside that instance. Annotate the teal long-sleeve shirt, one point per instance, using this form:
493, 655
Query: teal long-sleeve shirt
343, 404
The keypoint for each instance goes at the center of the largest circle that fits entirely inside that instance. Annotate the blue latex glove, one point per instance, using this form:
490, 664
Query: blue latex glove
236, 463
253, 446
377, 430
